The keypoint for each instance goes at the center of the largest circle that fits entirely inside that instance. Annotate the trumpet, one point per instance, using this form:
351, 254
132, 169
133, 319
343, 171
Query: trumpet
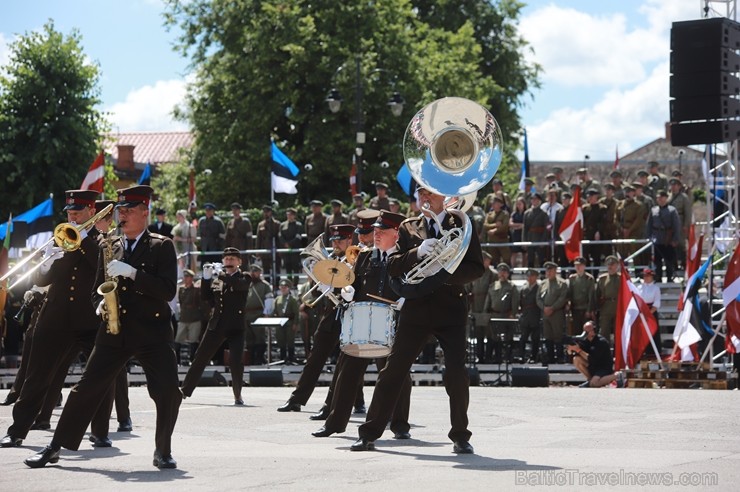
66, 236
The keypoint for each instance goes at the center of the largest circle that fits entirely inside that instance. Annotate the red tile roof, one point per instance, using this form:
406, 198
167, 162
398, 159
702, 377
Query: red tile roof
154, 147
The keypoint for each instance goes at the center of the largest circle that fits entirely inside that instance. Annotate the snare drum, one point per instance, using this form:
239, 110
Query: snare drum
368, 329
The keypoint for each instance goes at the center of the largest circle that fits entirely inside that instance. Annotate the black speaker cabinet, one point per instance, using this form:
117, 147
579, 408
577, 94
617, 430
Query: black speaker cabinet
212, 378
530, 377
265, 377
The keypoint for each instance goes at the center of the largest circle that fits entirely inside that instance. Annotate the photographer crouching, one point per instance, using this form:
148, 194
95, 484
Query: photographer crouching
592, 357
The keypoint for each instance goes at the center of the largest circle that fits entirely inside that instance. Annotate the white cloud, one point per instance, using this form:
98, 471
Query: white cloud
150, 108
630, 63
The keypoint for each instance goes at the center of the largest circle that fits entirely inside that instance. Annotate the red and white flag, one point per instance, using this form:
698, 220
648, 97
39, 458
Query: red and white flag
635, 325
616, 159
191, 192
353, 179
731, 301
95, 177
571, 230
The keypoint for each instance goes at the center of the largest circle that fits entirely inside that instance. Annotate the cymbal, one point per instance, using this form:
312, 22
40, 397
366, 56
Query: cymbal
333, 272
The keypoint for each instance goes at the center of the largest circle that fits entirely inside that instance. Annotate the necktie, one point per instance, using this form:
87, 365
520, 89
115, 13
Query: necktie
385, 257
129, 247
432, 230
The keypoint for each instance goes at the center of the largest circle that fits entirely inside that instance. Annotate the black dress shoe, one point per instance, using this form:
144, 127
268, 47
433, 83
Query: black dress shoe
40, 426
10, 442
164, 460
125, 425
40, 459
322, 414
324, 432
9, 400
239, 402
360, 410
290, 406
462, 447
401, 435
100, 442
362, 444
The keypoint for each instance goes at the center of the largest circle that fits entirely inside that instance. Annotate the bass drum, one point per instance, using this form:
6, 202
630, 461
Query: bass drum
368, 329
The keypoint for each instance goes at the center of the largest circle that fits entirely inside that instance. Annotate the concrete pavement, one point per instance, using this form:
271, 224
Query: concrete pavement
525, 439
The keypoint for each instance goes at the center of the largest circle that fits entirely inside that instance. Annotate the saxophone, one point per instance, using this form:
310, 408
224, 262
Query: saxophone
108, 289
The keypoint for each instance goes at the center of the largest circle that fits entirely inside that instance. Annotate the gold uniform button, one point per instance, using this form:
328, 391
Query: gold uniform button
123, 288
73, 277
240, 311
72, 287
71, 298
123, 311
75, 268
156, 315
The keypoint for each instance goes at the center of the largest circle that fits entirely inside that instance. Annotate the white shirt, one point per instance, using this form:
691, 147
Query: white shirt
650, 293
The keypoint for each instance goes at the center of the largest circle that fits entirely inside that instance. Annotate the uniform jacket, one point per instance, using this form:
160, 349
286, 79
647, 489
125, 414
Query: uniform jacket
582, 292
664, 226
446, 305
163, 228
530, 311
71, 279
239, 234
535, 225
502, 298
144, 309
229, 296
371, 277
554, 294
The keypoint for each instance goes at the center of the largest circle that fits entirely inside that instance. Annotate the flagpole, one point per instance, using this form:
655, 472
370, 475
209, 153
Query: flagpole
652, 340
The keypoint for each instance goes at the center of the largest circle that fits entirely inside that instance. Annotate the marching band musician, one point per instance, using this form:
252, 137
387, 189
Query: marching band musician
371, 277
228, 291
66, 325
147, 279
327, 334
441, 312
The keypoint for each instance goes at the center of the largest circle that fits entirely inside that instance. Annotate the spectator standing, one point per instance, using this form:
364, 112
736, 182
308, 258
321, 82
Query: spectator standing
268, 231
617, 182
656, 181
581, 295
290, 237
239, 232
160, 226
594, 217
212, 233
496, 227
286, 306
380, 200
530, 317
552, 207
682, 203
478, 292
315, 222
516, 226
587, 182
502, 302
630, 221
184, 235
337, 217
535, 230
663, 229
607, 292
259, 303
358, 202
609, 226
190, 317
552, 296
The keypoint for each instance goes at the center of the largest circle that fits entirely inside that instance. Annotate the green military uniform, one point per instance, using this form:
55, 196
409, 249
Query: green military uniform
488, 201
657, 182
477, 292
581, 296
496, 230
477, 218
607, 291
592, 185
286, 307
631, 217
315, 226
290, 237
502, 301
535, 230
530, 320
594, 217
256, 336
554, 294
609, 227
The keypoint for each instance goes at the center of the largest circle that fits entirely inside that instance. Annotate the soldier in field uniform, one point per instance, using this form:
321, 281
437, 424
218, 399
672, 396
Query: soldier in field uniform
551, 299
581, 296
607, 292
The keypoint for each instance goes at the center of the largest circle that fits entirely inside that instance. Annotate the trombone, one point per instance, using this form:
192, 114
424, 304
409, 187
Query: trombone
66, 236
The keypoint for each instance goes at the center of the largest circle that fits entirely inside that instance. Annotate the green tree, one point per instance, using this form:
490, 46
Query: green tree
263, 70
49, 126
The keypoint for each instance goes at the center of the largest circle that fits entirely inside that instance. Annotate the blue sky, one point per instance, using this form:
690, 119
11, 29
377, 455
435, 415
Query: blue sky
605, 80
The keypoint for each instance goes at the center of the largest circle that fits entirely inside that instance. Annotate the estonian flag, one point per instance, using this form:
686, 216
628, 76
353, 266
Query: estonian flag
146, 176
284, 172
406, 181
32, 228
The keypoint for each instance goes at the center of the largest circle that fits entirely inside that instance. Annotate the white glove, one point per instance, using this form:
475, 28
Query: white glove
52, 254
269, 303
117, 268
101, 308
426, 247
207, 272
399, 303
348, 293
27, 296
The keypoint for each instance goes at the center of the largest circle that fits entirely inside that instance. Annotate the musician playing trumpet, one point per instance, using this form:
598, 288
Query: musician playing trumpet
226, 286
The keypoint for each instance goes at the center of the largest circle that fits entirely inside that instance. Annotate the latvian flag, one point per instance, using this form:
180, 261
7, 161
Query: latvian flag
571, 230
94, 179
635, 325
284, 172
731, 301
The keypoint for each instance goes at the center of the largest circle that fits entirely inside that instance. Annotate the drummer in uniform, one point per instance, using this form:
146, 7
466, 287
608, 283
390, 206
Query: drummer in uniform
371, 277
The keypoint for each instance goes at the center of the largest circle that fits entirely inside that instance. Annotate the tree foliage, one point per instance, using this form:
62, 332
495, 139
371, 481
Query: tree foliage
264, 68
49, 127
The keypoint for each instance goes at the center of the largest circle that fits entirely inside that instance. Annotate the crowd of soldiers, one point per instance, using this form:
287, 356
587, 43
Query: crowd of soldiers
652, 209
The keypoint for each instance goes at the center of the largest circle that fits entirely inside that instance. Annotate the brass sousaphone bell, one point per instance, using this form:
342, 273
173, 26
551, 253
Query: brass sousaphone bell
453, 147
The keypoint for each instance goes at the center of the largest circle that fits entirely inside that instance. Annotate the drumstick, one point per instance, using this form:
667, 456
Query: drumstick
383, 299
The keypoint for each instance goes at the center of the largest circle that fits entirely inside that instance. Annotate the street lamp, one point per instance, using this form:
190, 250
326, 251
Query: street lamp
334, 100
